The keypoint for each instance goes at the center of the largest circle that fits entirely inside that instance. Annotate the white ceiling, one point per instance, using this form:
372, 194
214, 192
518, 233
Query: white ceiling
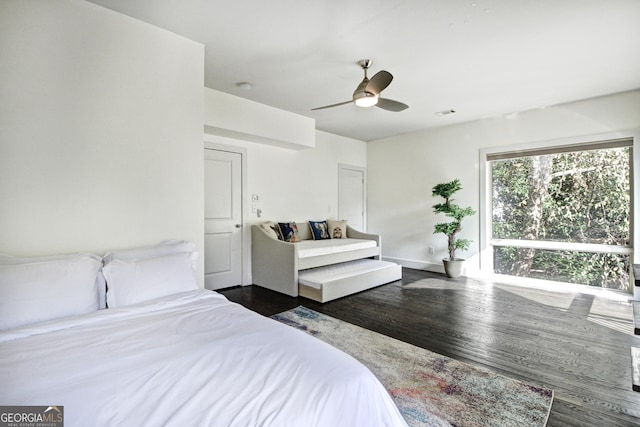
480, 57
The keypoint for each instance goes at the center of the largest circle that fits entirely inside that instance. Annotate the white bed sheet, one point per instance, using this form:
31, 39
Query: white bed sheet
310, 248
192, 359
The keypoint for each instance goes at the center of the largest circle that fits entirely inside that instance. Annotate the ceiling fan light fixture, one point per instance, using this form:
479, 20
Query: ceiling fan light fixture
367, 100
367, 94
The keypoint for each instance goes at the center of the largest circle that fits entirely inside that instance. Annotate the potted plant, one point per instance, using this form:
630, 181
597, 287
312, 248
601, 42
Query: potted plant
452, 265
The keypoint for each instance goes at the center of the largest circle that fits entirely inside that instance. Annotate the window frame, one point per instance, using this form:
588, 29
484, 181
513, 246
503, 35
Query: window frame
607, 140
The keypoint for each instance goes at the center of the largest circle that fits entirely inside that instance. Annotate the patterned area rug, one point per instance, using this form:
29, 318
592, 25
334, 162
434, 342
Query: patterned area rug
430, 389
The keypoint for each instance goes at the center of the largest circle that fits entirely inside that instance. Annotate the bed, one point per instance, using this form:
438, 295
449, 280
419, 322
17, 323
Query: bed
183, 356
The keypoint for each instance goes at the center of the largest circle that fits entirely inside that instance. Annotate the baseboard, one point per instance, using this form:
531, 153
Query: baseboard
418, 265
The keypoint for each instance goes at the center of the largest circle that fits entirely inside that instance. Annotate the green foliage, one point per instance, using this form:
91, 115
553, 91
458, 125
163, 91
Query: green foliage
445, 228
593, 269
447, 189
587, 200
451, 210
462, 244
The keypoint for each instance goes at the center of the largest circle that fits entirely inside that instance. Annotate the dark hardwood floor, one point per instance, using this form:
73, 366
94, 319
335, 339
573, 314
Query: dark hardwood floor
576, 343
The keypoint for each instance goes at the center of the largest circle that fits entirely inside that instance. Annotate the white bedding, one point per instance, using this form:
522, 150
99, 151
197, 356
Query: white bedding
310, 248
191, 359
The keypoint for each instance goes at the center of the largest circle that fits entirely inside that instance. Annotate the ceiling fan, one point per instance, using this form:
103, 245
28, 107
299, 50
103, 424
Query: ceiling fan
367, 94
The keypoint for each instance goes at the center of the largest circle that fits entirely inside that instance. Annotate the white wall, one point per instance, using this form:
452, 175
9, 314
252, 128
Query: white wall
100, 130
296, 185
294, 175
233, 117
402, 170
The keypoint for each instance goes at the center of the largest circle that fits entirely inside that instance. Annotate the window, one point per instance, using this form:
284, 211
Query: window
562, 213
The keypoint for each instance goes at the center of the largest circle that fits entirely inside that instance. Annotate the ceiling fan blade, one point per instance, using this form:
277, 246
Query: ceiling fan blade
391, 105
377, 83
332, 105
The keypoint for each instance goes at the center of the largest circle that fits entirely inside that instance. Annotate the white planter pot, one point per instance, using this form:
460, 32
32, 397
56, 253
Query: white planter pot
453, 269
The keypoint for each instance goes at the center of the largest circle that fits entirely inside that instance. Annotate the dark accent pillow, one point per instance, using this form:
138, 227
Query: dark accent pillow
289, 231
320, 230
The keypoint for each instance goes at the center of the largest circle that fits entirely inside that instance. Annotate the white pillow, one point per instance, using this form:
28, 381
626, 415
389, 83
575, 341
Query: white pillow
304, 231
337, 229
38, 291
164, 248
272, 229
138, 280
100, 282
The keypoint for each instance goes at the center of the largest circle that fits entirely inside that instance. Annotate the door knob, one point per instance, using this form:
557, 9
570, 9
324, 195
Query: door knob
238, 225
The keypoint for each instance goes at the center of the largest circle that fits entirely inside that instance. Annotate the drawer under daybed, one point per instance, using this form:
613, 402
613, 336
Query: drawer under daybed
329, 282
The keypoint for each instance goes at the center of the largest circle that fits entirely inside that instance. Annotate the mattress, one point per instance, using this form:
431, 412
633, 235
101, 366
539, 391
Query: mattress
189, 359
316, 277
311, 248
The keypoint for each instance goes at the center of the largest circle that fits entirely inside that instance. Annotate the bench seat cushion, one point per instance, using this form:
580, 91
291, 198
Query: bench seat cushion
311, 248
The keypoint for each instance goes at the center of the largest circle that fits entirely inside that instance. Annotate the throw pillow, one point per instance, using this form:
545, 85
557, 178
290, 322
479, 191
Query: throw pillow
320, 230
337, 229
304, 231
289, 231
272, 229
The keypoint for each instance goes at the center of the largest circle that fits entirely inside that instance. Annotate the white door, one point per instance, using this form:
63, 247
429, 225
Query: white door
352, 196
222, 219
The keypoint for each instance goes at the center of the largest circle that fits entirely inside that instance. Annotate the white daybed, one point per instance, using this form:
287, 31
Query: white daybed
186, 358
321, 270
